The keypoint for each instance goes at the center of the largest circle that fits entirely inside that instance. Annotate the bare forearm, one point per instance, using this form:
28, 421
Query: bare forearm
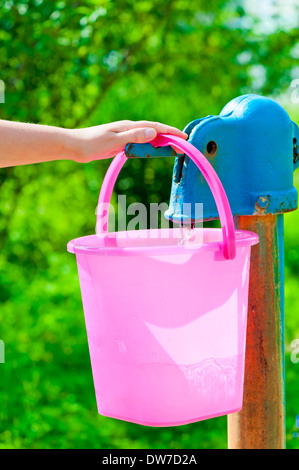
22, 144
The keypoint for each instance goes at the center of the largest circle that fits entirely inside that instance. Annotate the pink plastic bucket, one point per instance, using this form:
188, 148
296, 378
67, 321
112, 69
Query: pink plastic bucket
166, 322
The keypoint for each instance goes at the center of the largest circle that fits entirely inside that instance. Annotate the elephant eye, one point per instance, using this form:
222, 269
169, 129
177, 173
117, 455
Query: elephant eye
211, 148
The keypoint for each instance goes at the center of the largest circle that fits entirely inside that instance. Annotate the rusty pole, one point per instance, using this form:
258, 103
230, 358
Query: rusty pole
261, 422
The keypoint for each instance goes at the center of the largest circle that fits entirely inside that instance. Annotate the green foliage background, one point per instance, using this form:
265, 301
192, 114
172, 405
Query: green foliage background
81, 63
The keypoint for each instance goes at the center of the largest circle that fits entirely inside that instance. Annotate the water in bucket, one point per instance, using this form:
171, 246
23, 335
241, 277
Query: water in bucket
166, 315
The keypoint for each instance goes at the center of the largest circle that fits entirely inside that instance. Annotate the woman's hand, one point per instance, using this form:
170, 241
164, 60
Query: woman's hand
106, 140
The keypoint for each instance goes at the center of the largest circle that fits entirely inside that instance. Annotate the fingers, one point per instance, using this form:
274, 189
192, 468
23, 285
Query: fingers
139, 136
159, 127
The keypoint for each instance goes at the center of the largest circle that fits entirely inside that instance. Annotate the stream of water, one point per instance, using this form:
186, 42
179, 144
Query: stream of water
186, 232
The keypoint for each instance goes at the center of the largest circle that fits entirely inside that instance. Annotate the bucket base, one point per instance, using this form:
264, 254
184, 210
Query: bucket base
164, 425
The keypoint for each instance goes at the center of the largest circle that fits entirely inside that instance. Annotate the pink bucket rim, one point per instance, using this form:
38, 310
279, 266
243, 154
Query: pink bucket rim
93, 244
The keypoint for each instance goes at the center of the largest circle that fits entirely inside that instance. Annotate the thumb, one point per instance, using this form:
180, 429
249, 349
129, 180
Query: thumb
137, 136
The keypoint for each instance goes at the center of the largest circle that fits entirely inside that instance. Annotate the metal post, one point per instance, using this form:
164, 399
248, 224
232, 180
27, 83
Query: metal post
261, 422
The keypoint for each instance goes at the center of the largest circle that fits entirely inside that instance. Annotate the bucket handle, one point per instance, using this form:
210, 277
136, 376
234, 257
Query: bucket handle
210, 175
